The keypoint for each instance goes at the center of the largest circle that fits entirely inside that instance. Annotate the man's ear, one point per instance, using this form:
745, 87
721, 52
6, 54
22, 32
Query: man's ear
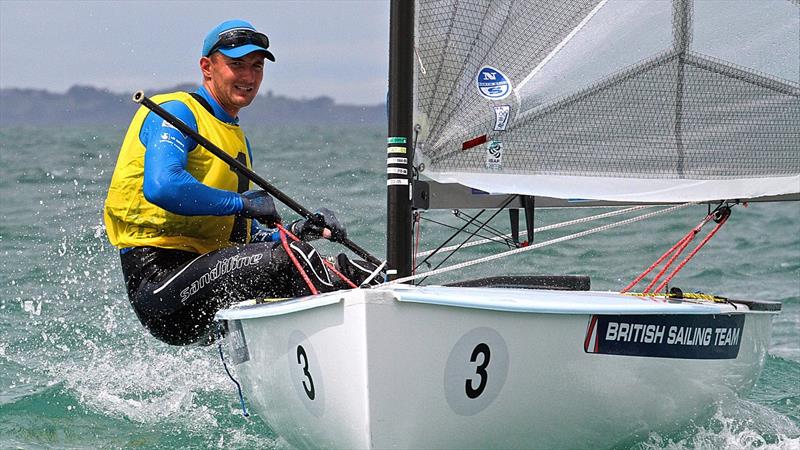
205, 67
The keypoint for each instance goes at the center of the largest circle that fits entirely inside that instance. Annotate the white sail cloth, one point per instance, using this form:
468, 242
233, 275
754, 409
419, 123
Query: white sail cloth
626, 100
625, 189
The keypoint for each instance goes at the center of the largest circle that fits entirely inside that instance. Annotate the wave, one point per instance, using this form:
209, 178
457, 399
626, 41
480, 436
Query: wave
742, 425
767, 419
146, 395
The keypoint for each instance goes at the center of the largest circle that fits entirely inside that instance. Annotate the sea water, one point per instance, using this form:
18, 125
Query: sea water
77, 370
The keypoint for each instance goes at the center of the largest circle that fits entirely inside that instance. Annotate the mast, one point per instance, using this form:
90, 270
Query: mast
399, 143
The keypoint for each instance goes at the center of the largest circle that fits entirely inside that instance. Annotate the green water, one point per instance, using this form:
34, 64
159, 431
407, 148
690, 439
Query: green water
78, 371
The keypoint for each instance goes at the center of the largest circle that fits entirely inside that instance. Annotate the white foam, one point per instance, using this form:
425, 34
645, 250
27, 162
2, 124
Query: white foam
741, 425
154, 384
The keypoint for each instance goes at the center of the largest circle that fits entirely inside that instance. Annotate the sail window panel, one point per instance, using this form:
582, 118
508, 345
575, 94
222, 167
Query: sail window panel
619, 34
759, 35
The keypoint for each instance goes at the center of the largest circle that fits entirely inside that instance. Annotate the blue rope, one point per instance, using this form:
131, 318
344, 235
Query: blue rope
225, 365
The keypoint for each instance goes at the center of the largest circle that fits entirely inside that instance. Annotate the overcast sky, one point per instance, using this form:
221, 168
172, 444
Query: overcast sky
324, 47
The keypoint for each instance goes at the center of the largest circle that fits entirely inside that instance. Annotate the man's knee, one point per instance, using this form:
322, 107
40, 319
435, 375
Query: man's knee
311, 264
181, 327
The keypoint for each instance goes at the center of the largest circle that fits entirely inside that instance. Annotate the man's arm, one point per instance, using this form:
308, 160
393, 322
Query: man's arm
167, 184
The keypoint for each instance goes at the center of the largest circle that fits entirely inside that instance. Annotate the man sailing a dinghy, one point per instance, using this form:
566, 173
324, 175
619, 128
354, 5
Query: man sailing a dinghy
189, 231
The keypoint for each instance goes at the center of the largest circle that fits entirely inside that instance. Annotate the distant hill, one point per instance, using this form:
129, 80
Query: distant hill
84, 105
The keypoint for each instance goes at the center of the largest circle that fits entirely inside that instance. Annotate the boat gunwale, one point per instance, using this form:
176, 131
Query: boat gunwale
533, 301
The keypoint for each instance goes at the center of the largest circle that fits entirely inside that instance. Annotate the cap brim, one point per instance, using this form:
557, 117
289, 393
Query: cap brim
238, 52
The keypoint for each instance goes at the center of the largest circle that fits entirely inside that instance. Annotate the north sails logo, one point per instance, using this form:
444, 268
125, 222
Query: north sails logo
492, 83
223, 266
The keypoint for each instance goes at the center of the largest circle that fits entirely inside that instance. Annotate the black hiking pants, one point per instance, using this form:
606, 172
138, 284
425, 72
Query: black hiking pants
176, 293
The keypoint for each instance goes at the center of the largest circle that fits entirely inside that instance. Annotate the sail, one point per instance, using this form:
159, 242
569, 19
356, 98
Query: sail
622, 100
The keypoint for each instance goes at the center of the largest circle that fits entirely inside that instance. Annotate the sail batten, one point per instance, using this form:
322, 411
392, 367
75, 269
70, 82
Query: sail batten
574, 95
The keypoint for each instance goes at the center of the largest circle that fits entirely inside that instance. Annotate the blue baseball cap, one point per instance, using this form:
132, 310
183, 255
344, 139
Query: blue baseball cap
236, 38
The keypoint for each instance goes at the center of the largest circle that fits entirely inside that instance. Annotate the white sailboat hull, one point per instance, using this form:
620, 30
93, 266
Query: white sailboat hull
440, 367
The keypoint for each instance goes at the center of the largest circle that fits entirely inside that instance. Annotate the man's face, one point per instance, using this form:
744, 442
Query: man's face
233, 82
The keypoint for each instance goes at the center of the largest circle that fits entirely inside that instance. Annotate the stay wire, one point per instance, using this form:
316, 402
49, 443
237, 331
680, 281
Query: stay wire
460, 230
486, 238
496, 233
449, 239
472, 234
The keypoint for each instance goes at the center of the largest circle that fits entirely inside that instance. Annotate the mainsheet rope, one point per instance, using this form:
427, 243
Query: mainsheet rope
541, 244
694, 252
720, 215
680, 245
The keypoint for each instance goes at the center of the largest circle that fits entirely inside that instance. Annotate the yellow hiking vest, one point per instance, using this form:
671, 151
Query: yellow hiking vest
132, 221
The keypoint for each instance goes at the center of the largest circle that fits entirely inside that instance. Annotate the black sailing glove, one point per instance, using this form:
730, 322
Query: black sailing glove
311, 228
258, 204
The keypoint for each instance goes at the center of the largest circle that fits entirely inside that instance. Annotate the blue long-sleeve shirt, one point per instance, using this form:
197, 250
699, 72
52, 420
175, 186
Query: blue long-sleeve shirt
167, 184
166, 181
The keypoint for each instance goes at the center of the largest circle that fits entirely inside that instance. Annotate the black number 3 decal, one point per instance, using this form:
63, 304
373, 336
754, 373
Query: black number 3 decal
480, 349
301, 352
